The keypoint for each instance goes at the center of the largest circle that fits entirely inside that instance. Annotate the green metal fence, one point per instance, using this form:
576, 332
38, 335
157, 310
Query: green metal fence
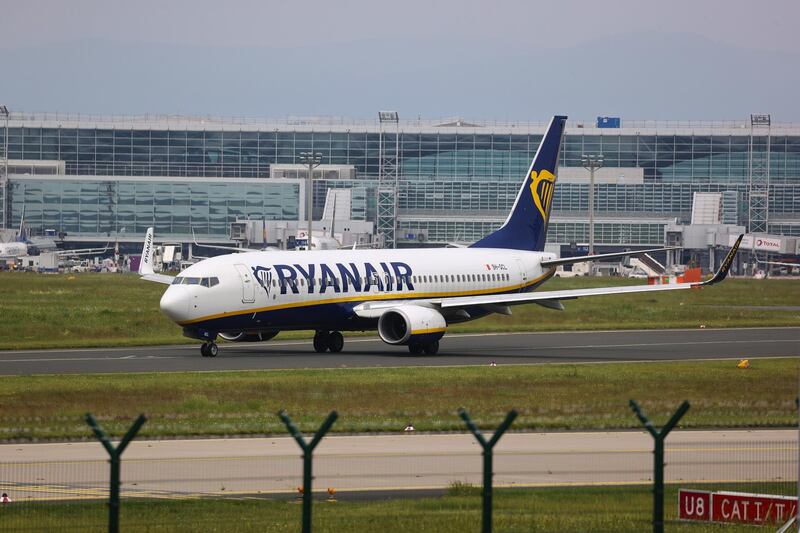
463, 482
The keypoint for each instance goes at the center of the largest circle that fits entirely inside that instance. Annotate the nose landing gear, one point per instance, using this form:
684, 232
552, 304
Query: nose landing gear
209, 349
324, 341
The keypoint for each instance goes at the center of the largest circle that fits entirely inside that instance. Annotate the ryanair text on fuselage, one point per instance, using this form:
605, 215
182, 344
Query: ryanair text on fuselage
341, 277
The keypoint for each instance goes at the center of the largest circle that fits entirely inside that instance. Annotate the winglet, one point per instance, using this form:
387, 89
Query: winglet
146, 263
722, 272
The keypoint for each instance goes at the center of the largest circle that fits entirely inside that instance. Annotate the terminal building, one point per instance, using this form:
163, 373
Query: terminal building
96, 179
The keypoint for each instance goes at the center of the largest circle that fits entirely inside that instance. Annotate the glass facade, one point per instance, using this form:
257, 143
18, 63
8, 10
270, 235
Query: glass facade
444, 173
469, 157
119, 206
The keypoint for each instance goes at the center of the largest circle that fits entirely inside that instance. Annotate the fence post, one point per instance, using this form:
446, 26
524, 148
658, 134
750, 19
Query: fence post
658, 458
308, 453
488, 469
115, 457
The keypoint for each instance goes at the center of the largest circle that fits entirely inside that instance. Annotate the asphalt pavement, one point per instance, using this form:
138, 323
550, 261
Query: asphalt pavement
455, 350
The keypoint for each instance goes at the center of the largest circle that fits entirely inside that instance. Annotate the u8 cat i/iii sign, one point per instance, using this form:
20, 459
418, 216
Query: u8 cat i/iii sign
735, 507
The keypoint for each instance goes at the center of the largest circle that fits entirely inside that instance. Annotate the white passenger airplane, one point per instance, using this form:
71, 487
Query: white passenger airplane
409, 295
21, 247
18, 247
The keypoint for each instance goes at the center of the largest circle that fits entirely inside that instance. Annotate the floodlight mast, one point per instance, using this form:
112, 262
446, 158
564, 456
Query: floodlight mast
4, 181
386, 199
591, 162
312, 160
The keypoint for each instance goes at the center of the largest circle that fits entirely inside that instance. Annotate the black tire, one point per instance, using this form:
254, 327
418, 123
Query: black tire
321, 342
212, 349
415, 348
335, 342
432, 348
204, 350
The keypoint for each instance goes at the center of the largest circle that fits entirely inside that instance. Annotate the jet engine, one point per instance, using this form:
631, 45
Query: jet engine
249, 336
411, 324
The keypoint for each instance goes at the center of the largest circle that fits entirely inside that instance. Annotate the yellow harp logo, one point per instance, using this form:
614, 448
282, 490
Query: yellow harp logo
542, 186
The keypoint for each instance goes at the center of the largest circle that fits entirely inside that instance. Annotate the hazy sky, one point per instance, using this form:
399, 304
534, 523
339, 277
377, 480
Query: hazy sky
143, 55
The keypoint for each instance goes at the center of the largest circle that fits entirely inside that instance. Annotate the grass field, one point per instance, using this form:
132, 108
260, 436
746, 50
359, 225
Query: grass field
563, 396
596, 509
41, 311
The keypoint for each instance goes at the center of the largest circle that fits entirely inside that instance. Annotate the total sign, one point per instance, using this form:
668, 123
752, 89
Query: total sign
757, 242
764, 243
735, 507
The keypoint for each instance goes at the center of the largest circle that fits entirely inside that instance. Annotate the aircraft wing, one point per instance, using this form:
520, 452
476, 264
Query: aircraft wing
546, 298
615, 255
779, 263
521, 298
84, 251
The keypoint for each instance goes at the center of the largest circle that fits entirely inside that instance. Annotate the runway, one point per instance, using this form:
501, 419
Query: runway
393, 463
456, 350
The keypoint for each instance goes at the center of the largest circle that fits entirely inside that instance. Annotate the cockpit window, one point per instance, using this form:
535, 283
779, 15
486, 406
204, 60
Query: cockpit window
205, 282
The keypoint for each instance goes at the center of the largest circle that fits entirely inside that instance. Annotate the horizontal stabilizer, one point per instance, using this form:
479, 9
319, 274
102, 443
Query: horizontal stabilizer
599, 257
159, 278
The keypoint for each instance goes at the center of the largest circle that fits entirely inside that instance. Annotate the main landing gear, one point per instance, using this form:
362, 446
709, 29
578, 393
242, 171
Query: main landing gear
324, 341
209, 349
417, 348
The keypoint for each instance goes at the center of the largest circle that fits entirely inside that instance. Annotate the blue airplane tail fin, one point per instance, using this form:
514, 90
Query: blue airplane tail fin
526, 225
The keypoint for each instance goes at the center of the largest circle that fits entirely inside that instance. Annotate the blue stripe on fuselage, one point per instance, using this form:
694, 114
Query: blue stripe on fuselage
338, 316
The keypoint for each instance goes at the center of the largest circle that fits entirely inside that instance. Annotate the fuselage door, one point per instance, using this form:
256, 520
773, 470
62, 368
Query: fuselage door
248, 284
522, 272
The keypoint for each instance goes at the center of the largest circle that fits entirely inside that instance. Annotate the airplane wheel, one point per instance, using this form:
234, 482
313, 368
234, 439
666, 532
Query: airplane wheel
415, 348
213, 349
335, 342
432, 348
321, 342
209, 349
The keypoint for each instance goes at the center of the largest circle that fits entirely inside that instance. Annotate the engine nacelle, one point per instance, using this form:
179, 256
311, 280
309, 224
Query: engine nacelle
408, 324
249, 336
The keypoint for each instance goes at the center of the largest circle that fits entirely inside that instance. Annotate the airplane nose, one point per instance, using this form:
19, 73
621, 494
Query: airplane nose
175, 303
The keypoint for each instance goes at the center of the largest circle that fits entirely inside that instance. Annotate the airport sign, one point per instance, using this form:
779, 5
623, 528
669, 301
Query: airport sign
735, 507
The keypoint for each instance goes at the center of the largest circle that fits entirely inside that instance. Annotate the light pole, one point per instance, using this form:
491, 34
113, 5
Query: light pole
4, 181
591, 162
312, 160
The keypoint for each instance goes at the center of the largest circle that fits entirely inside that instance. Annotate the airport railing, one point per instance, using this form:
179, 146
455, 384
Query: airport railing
536, 485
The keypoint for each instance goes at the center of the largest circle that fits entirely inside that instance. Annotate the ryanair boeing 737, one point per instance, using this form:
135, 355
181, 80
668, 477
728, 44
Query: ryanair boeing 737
410, 296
